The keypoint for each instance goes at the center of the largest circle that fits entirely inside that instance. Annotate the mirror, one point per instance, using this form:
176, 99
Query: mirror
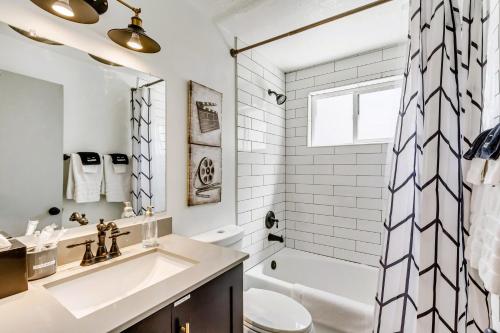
78, 134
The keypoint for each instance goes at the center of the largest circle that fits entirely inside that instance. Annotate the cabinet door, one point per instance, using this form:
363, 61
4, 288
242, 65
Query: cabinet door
216, 307
158, 322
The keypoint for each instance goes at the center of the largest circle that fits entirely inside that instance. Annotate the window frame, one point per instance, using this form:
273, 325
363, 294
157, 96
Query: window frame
356, 90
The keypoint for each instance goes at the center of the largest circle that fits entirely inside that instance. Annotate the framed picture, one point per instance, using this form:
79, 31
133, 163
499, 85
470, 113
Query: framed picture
205, 112
205, 152
205, 175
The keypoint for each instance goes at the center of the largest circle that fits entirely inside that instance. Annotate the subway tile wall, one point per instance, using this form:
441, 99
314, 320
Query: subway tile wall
261, 153
335, 196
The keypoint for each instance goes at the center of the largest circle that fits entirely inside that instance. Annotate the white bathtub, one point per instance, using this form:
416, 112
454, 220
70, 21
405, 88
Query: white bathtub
340, 295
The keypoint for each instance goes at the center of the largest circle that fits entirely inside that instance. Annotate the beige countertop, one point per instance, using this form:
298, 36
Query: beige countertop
36, 310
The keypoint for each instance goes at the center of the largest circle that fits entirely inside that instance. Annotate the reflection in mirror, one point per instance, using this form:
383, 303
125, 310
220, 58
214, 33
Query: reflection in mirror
81, 138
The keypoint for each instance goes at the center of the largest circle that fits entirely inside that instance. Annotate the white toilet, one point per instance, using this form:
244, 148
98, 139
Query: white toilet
264, 311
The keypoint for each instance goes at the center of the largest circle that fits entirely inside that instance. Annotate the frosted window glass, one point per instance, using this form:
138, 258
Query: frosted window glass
378, 114
332, 122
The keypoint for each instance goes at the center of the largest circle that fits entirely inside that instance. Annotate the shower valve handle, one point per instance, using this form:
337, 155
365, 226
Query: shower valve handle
271, 220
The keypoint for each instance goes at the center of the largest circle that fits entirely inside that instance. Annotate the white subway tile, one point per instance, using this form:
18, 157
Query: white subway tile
365, 214
314, 248
335, 242
362, 258
314, 189
363, 59
383, 66
300, 235
335, 180
300, 84
314, 228
366, 236
367, 225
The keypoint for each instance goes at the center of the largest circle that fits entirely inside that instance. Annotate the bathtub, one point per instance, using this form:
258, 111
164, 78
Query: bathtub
340, 295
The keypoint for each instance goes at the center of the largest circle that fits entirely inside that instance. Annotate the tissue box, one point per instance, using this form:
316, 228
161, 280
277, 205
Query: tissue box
13, 273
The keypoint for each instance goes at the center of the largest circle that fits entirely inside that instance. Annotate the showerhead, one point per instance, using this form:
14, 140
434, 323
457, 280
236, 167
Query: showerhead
280, 98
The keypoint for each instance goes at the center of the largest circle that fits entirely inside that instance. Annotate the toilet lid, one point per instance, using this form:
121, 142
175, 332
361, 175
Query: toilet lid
274, 312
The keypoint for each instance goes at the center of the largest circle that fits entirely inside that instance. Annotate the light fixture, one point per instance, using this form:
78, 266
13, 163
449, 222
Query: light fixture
63, 8
134, 37
79, 11
33, 36
280, 98
87, 11
104, 61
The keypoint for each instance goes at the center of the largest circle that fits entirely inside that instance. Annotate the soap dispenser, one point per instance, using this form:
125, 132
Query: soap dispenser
149, 229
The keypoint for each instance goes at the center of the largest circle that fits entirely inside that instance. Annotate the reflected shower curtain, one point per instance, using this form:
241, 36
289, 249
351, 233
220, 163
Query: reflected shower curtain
142, 175
424, 284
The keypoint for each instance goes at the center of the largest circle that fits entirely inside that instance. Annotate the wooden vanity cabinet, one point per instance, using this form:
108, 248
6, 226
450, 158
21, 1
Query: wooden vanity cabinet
216, 307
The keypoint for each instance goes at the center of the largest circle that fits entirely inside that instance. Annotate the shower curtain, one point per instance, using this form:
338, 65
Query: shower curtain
425, 285
142, 176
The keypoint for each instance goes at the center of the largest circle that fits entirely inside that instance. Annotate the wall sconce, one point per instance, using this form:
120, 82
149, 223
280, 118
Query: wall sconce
79, 11
87, 12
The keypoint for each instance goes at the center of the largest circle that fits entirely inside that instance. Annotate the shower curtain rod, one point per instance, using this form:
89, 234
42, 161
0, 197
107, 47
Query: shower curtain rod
235, 52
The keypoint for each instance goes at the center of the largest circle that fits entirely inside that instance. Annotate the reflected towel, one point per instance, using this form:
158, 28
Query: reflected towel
334, 311
492, 176
84, 184
475, 174
117, 180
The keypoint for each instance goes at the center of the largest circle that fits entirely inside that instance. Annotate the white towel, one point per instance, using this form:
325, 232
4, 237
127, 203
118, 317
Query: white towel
84, 182
117, 180
489, 263
333, 311
492, 176
475, 174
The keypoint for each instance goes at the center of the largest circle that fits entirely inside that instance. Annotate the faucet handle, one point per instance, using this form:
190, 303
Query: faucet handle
271, 220
88, 256
115, 250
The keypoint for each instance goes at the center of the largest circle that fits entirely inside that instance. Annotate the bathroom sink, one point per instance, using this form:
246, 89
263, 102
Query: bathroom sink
87, 293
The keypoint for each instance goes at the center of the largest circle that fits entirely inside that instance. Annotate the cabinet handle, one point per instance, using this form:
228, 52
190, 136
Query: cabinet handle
185, 328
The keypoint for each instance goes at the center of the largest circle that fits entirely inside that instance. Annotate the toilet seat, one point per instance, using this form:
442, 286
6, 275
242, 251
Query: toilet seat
269, 311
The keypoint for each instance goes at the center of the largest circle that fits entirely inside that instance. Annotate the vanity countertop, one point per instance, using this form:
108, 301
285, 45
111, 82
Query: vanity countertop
36, 310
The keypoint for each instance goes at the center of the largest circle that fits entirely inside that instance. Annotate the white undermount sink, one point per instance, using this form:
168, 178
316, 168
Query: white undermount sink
90, 292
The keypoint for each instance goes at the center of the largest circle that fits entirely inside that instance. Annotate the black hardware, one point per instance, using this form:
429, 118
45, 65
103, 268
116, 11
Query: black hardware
490, 330
88, 257
273, 265
271, 220
115, 251
54, 211
274, 238
66, 157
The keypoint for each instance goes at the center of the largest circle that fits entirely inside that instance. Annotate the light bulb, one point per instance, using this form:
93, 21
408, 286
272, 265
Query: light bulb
63, 8
135, 42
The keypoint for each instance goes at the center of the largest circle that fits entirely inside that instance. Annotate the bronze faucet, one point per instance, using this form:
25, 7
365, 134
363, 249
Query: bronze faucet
80, 218
102, 253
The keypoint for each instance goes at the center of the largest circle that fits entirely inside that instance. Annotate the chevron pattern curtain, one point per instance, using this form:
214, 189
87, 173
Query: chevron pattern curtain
424, 283
142, 194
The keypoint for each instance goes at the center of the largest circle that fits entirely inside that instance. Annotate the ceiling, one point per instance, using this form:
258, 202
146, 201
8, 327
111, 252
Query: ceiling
255, 20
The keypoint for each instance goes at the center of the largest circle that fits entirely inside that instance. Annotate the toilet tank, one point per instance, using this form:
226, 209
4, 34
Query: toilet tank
228, 236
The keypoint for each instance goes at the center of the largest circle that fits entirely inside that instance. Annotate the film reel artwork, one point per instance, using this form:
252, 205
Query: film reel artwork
205, 176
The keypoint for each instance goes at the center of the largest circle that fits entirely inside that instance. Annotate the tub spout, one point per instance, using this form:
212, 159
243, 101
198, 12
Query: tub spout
274, 238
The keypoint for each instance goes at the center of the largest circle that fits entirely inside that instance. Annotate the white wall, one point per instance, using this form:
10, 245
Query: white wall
193, 49
335, 195
261, 153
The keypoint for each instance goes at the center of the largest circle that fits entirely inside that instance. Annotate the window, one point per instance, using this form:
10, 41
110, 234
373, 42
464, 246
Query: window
362, 113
